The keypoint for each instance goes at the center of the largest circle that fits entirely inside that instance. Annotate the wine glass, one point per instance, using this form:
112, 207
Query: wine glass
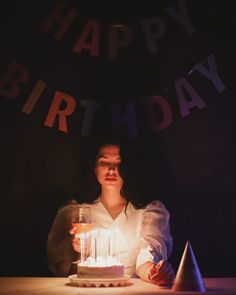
81, 220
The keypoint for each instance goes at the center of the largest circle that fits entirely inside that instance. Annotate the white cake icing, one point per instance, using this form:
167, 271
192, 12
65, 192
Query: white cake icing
113, 271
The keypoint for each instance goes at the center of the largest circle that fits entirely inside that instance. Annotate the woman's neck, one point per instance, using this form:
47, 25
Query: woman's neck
113, 202
112, 198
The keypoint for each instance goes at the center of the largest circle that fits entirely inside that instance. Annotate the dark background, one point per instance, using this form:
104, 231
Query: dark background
190, 166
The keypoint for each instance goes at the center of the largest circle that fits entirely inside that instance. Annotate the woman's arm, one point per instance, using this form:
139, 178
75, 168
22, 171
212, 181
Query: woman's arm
155, 245
59, 244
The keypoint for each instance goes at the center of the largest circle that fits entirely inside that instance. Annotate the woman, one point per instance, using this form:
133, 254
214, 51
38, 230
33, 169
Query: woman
146, 241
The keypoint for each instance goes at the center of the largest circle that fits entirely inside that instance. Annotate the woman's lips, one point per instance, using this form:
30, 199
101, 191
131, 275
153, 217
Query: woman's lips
110, 179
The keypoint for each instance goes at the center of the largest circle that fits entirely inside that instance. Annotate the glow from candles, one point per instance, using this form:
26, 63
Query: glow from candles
104, 248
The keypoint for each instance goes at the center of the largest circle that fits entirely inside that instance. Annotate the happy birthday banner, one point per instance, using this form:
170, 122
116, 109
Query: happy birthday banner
63, 105
153, 29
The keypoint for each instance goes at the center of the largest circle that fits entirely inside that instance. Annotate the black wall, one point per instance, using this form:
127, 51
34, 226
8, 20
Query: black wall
189, 166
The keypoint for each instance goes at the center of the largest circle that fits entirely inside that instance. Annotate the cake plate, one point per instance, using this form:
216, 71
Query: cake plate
99, 282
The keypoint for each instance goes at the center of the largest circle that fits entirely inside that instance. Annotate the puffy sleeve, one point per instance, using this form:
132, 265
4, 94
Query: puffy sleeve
155, 238
59, 247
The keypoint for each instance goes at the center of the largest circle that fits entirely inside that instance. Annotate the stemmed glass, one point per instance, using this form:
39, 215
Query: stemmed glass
81, 220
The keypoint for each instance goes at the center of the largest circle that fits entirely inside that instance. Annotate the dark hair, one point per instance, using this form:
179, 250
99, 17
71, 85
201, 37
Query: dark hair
129, 169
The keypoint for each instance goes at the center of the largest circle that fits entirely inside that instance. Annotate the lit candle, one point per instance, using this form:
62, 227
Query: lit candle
116, 247
101, 245
109, 246
105, 246
83, 247
117, 242
95, 249
92, 244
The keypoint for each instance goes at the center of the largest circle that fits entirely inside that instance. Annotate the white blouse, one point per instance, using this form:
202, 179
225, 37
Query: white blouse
145, 235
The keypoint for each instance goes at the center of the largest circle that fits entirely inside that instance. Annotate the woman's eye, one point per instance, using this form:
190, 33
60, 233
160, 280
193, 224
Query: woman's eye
103, 164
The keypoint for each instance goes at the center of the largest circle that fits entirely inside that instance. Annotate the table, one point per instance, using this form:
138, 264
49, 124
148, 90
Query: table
59, 286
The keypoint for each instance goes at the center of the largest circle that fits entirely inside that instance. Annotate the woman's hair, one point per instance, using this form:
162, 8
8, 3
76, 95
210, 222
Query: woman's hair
130, 170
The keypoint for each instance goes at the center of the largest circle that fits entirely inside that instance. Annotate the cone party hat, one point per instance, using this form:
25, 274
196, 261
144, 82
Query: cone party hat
188, 277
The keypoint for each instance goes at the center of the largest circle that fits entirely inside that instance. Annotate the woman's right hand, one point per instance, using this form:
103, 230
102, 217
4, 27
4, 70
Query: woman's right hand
76, 244
75, 241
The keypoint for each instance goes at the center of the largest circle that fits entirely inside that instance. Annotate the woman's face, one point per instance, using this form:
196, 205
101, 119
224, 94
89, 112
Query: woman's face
107, 167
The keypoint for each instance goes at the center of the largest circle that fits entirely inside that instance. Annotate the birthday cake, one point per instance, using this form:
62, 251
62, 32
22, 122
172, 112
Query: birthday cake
94, 271
104, 260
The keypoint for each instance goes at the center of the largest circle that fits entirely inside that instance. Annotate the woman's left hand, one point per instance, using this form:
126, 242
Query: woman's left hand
160, 273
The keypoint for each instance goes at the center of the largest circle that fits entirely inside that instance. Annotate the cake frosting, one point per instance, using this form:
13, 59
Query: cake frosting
94, 271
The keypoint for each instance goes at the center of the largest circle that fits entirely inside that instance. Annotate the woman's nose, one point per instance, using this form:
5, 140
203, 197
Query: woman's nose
112, 168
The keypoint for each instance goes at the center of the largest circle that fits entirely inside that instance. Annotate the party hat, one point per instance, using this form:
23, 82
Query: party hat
188, 277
